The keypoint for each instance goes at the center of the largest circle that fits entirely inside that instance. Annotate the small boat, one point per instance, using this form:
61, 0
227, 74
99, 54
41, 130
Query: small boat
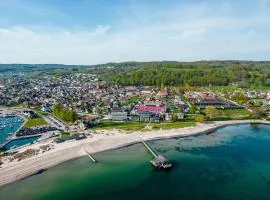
2, 127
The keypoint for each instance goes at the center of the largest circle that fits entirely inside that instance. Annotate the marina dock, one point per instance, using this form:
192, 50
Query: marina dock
13, 138
159, 161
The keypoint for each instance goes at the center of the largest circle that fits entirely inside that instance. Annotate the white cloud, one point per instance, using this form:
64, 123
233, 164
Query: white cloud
174, 36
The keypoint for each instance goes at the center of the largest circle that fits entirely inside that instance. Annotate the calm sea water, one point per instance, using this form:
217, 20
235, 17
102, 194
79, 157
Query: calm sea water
9, 125
21, 142
232, 163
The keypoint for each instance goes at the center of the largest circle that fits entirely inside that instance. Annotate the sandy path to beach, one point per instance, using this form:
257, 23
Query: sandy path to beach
101, 142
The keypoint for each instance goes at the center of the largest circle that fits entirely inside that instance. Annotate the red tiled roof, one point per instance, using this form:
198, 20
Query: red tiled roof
163, 92
150, 108
87, 118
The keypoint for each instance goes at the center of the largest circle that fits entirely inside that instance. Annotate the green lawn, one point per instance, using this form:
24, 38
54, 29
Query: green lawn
65, 135
236, 113
137, 126
173, 125
125, 126
35, 122
233, 115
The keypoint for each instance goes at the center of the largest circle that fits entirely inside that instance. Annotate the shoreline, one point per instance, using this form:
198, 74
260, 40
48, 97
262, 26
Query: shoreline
15, 171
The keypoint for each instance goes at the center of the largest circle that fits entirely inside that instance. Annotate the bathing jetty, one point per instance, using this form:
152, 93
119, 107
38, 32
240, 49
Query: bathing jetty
159, 161
90, 156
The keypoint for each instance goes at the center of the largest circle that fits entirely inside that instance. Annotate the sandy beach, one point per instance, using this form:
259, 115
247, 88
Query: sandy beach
10, 172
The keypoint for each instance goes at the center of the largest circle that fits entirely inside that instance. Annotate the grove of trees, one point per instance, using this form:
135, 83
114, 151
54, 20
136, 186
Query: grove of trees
67, 115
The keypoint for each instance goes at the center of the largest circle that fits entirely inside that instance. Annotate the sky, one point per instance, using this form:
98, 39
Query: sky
100, 31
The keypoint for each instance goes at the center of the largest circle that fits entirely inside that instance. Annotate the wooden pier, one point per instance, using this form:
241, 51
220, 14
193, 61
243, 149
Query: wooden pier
159, 161
90, 156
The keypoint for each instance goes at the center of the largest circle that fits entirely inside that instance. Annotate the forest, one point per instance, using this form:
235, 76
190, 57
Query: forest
212, 73
168, 73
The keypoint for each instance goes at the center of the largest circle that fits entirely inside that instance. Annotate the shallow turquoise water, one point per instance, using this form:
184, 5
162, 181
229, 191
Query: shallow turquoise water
232, 163
10, 125
21, 142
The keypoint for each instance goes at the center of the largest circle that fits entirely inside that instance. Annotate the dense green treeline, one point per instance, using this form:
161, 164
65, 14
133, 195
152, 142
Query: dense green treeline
194, 74
67, 115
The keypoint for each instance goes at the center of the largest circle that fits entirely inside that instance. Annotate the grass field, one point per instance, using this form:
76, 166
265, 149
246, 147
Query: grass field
233, 115
35, 122
236, 113
125, 126
173, 125
65, 135
137, 126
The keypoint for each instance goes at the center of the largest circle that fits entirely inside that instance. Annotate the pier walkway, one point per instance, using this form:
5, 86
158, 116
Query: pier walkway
149, 149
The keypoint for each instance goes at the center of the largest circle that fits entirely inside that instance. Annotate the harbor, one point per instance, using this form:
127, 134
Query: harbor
9, 125
14, 135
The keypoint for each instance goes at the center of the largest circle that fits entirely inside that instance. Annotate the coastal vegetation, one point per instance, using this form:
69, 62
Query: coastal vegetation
236, 114
141, 126
174, 125
66, 115
200, 118
125, 126
23, 155
35, 122
212, 113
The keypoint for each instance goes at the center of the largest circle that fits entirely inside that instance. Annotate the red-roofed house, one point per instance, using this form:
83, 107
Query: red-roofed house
151, 108
87, 118
150, 112
163, 92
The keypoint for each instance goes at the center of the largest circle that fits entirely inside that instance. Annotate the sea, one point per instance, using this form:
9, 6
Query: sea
232, 163
9, 125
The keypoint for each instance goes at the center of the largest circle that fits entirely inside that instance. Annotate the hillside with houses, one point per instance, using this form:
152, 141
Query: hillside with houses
87, 99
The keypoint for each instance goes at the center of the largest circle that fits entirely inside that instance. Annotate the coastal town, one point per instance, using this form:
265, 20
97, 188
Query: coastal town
59, 111
134, 100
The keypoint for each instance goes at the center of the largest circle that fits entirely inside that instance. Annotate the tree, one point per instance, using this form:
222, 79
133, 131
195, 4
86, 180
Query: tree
66, 115
192, 109
200, 118
211, 112
259, 113
240, 98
